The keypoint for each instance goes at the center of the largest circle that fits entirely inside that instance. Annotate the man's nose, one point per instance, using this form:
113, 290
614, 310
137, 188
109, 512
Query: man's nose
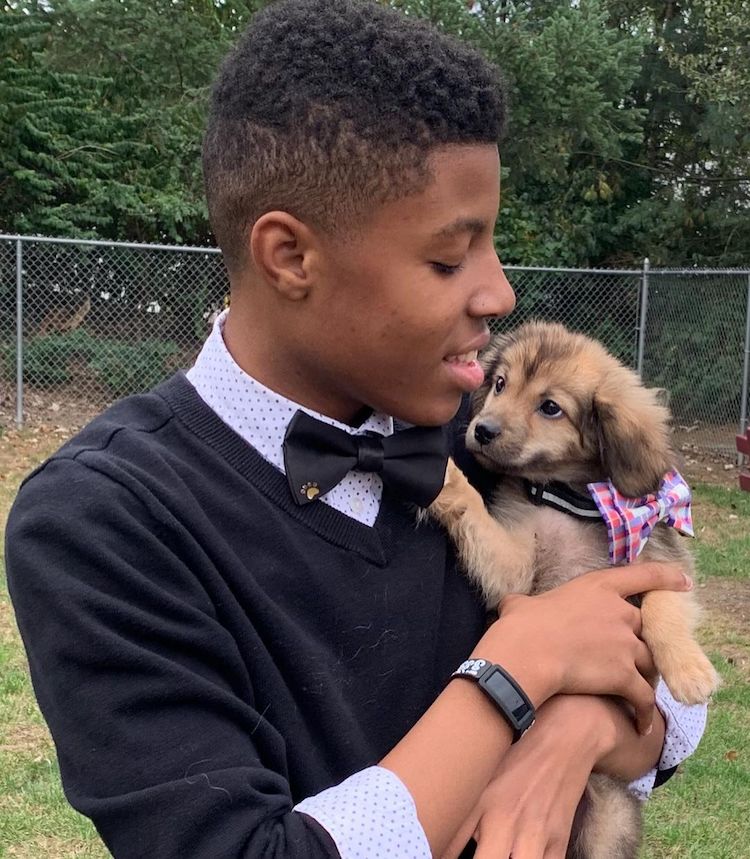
494, 296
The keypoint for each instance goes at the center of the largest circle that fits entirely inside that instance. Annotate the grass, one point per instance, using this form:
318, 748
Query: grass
703, 812
723, 547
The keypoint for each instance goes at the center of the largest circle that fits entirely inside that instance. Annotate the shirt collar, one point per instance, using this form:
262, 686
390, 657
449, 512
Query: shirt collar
256, 413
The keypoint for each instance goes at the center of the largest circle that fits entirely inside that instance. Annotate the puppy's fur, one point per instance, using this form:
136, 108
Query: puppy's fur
609, 426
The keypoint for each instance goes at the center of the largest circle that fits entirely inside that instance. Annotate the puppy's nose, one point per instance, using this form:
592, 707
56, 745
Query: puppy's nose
485, 431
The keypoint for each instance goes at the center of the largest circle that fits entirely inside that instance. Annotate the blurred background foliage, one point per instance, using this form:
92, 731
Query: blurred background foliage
629, 133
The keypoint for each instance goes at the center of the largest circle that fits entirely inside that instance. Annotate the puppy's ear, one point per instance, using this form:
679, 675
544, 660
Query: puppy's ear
633, 433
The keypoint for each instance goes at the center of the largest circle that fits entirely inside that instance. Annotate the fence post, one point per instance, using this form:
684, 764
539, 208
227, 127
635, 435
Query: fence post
642, 319
745, 370
19, 333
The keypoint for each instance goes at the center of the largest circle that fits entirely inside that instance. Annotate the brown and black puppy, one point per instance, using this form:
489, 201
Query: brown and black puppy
557, 407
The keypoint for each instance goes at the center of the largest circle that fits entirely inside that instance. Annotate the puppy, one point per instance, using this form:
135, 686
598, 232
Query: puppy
558, 412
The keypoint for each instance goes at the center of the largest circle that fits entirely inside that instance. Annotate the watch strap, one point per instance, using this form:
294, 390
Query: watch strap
509, 698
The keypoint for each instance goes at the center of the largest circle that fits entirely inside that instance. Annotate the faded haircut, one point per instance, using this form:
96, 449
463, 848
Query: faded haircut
327, 108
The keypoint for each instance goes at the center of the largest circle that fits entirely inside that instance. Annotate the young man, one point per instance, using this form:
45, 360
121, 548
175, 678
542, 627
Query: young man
239, 655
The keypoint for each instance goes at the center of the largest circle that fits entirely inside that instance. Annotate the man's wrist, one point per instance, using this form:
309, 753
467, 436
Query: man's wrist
567, 730
587, 721
511, 651
503, 690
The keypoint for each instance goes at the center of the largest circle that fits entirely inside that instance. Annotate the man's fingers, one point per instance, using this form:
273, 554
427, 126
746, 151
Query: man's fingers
643, 699
495, 843
636, 618
644, 661
651, 576
528, 846
461, 838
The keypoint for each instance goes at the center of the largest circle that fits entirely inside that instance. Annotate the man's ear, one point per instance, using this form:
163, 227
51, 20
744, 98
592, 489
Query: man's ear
284, 253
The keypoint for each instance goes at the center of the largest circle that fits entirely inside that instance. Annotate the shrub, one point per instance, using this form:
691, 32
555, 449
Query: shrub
125, 369
120, 368
47, 360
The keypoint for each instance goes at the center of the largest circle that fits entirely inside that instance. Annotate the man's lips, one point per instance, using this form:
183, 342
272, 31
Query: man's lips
469, 375
463, 358
469, 352
464, 365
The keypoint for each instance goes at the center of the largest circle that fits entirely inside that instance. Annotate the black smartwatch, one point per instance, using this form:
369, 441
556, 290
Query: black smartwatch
505, 693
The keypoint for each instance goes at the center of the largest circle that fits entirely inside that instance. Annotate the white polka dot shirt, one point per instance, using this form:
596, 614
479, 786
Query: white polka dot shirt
371, 814
684, 729
261, 417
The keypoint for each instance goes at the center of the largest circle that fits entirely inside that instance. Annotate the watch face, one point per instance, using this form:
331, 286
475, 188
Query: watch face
502, 690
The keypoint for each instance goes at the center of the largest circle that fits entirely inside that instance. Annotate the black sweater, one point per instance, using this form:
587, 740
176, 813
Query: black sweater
206, 652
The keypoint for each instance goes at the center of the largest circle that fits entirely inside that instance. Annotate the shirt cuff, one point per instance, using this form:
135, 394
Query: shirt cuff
684, 726
369, 815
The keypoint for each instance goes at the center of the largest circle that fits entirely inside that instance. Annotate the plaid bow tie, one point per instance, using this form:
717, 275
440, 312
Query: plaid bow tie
630, 521
317, 456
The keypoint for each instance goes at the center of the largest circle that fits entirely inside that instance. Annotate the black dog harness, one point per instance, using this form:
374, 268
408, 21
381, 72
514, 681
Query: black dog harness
561, 497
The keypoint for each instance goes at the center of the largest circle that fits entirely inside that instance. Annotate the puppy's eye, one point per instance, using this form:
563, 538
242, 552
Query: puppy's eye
550, 409
499, 385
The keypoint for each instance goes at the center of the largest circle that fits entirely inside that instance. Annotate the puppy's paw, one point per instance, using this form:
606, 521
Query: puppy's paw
456, 497
691, 678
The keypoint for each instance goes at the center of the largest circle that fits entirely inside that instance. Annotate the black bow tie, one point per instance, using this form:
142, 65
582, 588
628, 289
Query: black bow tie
317, 456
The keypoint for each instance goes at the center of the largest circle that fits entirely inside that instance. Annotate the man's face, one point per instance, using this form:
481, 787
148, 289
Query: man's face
398, 313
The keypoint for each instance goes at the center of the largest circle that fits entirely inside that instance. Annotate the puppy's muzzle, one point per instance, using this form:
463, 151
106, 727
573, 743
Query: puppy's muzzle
487, 430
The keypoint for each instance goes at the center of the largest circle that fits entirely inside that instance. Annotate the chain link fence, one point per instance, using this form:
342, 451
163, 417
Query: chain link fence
83, 323
698, 328
89, 322
604, 304
686, 331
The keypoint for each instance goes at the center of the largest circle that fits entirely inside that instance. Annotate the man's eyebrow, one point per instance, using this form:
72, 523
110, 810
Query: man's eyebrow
461, 225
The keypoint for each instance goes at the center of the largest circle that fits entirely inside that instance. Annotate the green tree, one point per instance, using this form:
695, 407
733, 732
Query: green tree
569, 75
59, 150
686, 186
628, 135
103, 109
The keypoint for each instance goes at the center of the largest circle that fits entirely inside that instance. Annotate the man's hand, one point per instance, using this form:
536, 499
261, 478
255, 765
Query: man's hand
527, 809
584, 635
580, 639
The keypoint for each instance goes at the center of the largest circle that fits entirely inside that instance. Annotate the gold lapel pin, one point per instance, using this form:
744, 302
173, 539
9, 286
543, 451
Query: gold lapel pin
311, 490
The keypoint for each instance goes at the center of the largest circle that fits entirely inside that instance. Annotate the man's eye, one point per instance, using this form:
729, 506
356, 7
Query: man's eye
500, 385
550, 409
444, 268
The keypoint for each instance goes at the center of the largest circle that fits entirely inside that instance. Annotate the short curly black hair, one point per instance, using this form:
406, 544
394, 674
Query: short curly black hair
327, 108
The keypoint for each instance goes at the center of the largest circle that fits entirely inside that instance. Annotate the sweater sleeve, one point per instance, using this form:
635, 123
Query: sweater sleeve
144, 691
